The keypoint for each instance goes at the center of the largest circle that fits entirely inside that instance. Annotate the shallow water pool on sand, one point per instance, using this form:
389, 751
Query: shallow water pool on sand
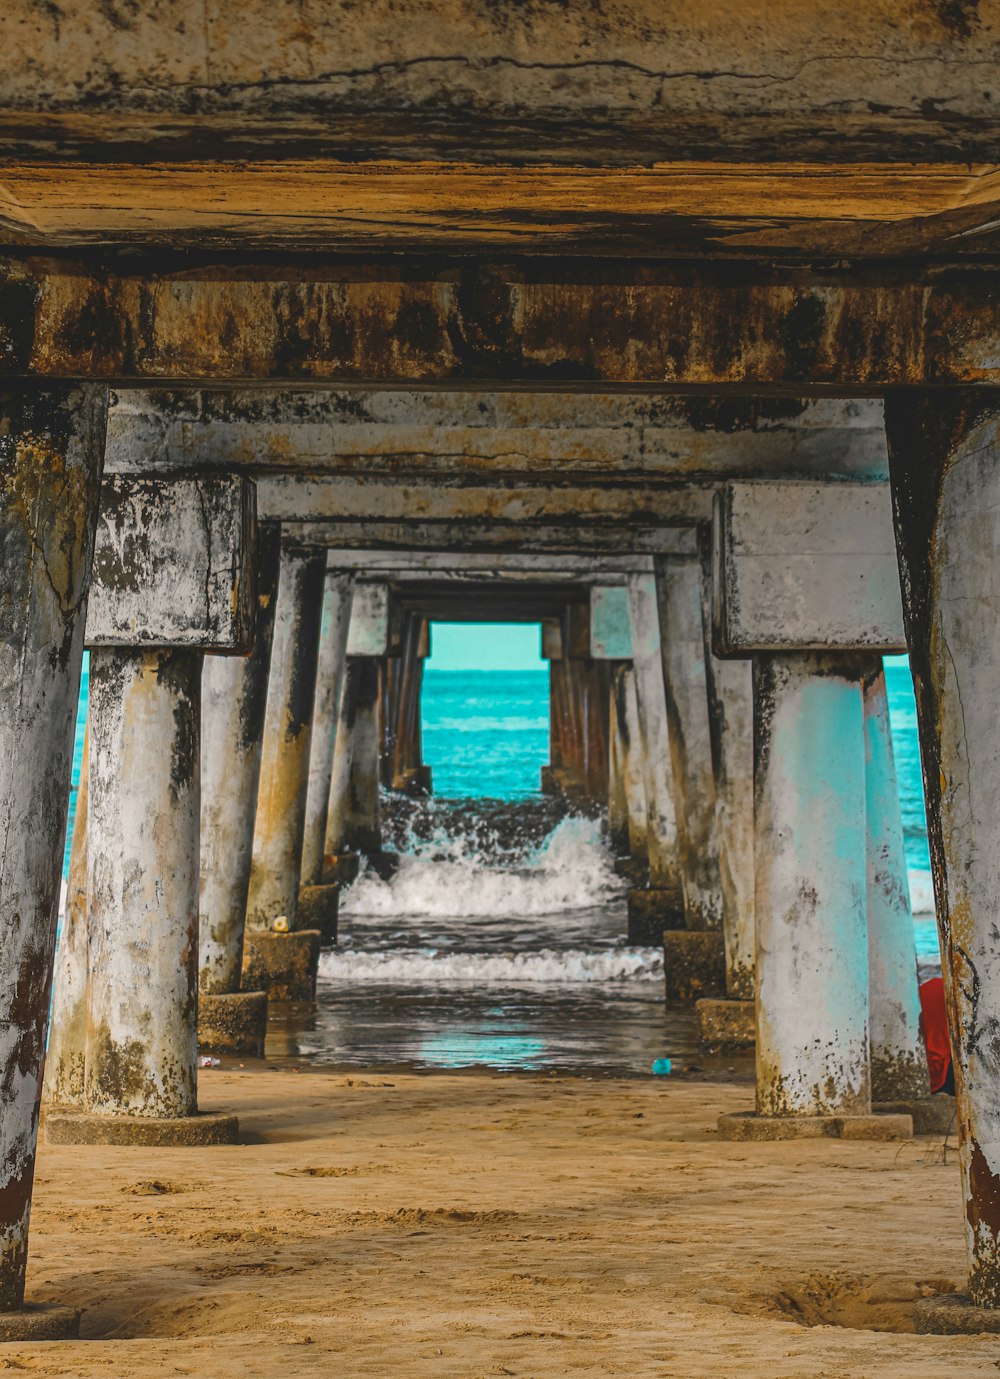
498, 944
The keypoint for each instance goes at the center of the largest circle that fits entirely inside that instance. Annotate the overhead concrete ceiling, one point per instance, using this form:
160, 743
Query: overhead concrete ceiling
869, 128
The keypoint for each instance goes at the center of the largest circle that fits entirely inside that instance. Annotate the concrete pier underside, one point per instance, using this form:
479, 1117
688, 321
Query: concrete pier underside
489, 307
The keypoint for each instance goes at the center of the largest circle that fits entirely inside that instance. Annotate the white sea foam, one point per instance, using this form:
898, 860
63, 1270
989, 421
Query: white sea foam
921, 893
570, 871
421, 967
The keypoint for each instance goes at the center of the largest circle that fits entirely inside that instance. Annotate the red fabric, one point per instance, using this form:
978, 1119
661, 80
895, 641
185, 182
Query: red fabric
934, 1020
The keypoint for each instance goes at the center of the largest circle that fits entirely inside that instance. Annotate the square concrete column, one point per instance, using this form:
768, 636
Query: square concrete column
898, 1058
944, 449
284, 773
52, 450
682, 646
810, 881
661, 905
338, 598
173, 576
65, 1058
805, 582
234, 698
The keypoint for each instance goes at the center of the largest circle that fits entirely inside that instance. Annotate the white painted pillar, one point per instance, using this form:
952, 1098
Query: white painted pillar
233, 701
661, 819
143, 819
682, 645
944, 455
66, 1055
284, 773
811, 895
338, 598
898, 1060
53, 445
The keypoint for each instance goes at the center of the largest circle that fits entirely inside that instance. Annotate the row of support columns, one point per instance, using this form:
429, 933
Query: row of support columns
828, 901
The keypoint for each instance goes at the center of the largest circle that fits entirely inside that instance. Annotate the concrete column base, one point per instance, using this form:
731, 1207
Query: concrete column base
954, 1314
932, 1115
651, 910
341, 868
232, 1022
747, 1125
694, 963
42, 1321
319, 908
635, 870
725, 1024
147, 1132
283, 965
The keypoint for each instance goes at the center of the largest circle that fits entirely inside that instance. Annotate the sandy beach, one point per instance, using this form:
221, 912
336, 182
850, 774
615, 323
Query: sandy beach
475, 1225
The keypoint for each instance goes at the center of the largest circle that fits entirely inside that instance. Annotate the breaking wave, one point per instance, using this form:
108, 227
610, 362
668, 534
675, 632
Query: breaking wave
445, 876
545, 966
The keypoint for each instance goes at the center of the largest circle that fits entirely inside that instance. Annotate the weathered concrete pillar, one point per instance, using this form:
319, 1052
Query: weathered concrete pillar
336, 842
807, 584
661, 905
319, 898
811, 891
408, 771
284, 774
898, 1060
234, 696
66, 1056
363, 825
338, 597
618, 831
944, 450
52, 449
172, 565
143, 882
682, 645
627, 704
730, 1022
597, 701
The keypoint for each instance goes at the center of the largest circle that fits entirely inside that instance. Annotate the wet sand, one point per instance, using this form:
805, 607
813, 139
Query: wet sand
479, 1225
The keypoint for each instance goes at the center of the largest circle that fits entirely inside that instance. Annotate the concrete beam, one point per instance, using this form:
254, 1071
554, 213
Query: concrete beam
174, 564
542, 322
490, 536
307, 498
803, 566
480, 83
501, 565
553, 435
